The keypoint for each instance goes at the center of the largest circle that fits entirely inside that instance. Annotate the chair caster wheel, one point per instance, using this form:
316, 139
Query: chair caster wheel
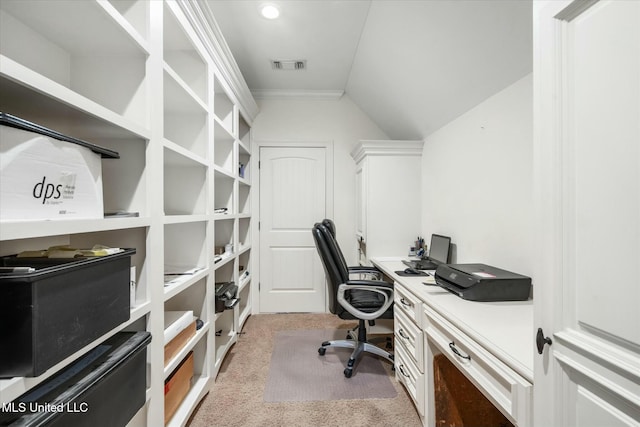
322, 351
348, 372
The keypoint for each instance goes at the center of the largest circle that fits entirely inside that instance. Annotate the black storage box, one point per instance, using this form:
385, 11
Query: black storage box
104, 388
54, 311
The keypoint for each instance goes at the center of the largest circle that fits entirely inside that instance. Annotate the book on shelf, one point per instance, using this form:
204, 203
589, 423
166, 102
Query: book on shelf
175, 322
121, 214
177, 386
174, 274
180, 327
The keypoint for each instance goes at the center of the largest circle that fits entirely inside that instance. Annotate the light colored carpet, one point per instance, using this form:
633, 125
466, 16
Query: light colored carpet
236, 397
298, 373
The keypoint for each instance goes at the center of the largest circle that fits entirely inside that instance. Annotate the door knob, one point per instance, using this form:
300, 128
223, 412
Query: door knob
541, 340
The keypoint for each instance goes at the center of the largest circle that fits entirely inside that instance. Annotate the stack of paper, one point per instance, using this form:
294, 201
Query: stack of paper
69, 252
430, 279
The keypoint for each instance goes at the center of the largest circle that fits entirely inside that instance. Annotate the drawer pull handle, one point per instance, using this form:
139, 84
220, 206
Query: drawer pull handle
401, 367
402, 300
401, 333
453, 348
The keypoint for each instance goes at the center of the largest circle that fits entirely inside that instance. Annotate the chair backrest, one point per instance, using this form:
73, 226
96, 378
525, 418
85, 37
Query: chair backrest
331, 227
336, 273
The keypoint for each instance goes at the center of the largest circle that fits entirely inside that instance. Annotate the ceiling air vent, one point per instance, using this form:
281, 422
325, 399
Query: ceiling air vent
278, 64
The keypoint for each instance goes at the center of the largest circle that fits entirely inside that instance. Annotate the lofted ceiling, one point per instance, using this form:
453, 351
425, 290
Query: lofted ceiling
412, 66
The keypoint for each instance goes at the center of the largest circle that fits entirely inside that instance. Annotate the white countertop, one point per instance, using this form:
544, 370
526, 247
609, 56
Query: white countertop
505, 329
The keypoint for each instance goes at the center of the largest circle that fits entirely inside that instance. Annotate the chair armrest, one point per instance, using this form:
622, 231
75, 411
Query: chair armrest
383, 288
370, 283
364, 268
374, 272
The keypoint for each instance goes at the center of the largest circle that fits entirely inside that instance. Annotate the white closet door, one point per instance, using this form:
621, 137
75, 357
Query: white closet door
293, 197
587, 290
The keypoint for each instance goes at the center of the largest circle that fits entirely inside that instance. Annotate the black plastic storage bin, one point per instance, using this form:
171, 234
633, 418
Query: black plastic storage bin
54, 311
104, 388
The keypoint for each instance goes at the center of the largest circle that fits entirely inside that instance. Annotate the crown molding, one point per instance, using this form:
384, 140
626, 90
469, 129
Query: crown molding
204, 24
330, 95
386, 148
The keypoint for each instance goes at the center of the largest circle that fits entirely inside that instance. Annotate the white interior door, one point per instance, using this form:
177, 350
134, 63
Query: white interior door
293, 197
587, 290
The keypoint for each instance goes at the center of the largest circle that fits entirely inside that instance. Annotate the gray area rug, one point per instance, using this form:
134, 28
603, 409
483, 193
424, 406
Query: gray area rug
298, 373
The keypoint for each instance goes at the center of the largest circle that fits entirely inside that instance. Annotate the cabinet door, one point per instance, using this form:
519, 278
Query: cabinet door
587, 299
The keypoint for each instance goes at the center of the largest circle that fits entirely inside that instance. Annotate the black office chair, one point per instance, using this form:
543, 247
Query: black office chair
360, 269
360, 272
362, 300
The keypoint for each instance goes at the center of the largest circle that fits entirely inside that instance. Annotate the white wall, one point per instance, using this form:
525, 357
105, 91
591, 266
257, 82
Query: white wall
477, 171
477, 181
340, 121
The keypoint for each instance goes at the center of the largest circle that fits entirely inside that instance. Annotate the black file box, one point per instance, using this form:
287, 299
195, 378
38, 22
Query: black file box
104, 388
50, 313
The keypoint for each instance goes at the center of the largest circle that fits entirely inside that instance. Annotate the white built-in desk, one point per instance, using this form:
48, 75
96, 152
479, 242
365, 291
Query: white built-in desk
493, 343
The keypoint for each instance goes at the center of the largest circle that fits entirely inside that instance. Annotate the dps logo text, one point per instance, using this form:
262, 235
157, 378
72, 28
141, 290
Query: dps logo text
53, 193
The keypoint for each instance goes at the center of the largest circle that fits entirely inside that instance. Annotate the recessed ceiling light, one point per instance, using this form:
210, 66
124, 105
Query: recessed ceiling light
270, 11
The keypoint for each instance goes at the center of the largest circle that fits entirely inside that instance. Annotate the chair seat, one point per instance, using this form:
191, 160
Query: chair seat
367, 301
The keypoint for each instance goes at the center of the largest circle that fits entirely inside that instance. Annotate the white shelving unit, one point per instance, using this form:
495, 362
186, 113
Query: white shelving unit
155, 82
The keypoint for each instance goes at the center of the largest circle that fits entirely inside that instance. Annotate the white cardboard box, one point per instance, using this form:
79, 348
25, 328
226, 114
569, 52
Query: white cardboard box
44, 178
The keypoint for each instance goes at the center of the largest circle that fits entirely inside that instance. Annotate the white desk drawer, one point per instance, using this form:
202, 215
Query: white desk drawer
408, 303
508, 391
409, 375
409, 335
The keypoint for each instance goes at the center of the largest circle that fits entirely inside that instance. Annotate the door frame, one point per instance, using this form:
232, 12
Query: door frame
255, 203
548, 199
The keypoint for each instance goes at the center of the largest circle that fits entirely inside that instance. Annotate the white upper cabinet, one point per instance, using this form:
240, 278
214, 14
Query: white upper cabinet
387, 209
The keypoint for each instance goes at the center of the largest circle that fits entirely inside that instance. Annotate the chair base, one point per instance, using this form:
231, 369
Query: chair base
359, 345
